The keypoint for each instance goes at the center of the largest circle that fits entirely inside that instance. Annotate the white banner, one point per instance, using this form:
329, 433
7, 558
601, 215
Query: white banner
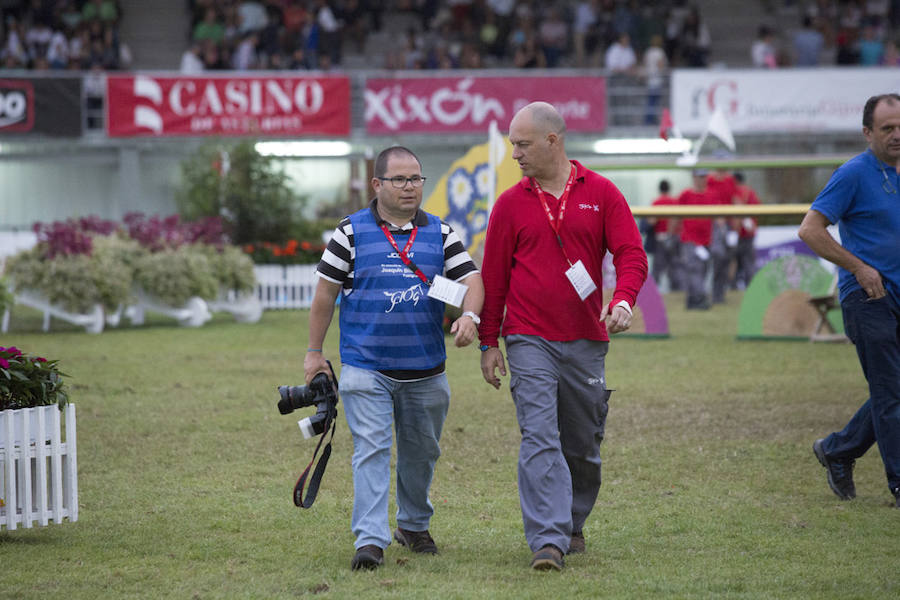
778, 101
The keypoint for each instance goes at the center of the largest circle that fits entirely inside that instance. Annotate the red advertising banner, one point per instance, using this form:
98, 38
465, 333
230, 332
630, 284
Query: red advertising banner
144, 105
469, 104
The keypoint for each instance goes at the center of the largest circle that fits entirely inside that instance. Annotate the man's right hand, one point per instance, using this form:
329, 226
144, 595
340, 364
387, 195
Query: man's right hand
313, 364
870, 281
492, 359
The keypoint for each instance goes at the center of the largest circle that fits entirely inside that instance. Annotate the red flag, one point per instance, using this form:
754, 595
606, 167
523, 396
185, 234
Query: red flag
665, 123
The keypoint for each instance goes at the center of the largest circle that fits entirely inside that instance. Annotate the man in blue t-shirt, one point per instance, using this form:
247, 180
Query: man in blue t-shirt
393, 266
863, 198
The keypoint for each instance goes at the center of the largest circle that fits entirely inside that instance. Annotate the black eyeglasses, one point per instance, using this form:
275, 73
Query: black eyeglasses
887, 185
399, 181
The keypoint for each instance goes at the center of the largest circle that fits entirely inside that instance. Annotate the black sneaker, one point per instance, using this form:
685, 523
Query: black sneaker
367, 557
896, 493
576, 544
417, 541
840, 472
547, 558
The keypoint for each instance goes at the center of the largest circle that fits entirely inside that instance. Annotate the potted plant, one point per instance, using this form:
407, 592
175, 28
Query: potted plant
78, 269
38, 469
27, 381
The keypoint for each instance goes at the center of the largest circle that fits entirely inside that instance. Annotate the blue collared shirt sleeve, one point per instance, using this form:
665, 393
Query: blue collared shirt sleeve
836, 197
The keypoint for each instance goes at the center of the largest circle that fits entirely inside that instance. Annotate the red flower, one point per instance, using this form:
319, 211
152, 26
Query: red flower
305, 245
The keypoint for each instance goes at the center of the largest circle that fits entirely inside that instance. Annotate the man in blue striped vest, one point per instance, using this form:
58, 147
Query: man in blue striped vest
393, 266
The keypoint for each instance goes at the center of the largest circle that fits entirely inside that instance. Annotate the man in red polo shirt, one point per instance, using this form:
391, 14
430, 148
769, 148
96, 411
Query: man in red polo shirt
696, 237
667, 244
746, 228
723, 187
543, 257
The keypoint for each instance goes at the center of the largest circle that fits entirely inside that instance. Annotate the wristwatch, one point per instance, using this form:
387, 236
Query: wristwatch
485, 347
472, 316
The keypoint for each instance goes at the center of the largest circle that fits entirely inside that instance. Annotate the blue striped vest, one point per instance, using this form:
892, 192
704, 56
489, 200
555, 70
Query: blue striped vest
387, 321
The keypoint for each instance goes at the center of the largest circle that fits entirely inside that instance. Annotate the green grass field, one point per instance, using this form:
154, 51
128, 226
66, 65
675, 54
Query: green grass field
710, 486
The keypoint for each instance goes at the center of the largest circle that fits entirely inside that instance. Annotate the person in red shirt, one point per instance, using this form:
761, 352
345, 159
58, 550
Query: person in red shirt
746, 228
667, 243
696, 238
544, 249
723, 187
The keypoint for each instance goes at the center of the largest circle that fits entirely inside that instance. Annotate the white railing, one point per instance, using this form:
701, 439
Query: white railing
290, 286
38, 470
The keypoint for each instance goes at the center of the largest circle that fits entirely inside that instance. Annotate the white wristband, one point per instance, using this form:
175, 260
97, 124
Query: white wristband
624, 304
475, 318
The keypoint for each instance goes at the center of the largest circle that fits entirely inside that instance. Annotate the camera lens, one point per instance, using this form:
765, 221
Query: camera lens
285, 406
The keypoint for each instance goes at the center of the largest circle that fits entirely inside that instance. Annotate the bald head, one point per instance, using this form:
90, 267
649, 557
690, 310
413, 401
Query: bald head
543, 117
536, 133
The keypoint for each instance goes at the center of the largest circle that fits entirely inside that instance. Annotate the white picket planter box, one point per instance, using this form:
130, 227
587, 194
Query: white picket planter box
38, 480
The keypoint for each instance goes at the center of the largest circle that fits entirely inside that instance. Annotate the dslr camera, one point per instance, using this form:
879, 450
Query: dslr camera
321, 393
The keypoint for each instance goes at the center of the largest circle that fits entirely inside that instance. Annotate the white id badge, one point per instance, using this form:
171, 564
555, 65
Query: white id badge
731, 239
581, 280
447, 290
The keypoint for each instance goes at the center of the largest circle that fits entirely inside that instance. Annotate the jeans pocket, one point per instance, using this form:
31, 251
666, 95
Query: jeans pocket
354, 379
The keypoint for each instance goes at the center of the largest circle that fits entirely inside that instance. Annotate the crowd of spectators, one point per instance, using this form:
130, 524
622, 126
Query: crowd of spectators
276, 34
842, 32
626, 37
440, 34
62, 34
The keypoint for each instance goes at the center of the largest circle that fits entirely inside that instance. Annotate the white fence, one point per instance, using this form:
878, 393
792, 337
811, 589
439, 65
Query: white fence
290, 286
38, 470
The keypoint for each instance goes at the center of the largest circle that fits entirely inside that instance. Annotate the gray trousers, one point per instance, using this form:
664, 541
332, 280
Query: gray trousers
694, 276
559, 389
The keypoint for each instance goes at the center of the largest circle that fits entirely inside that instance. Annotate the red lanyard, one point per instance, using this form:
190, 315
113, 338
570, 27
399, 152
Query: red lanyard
556, 223
404, 254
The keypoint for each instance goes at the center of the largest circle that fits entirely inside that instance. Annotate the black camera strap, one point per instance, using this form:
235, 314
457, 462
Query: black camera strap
299, 499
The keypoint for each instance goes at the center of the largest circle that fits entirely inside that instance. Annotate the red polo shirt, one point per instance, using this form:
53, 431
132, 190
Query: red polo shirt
662, 224
697, 231
524, 266
746, 195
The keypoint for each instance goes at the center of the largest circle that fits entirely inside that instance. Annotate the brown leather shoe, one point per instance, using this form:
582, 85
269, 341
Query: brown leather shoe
548, 557
367, 557
420, 542
576, 544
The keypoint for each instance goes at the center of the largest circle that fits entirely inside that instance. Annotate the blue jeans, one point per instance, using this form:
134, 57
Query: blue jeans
874, 326
417, 409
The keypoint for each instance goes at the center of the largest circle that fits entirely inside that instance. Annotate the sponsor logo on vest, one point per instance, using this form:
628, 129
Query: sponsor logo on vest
413, 294
594, 207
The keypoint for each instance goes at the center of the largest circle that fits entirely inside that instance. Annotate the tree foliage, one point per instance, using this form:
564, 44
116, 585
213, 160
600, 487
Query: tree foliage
245, 188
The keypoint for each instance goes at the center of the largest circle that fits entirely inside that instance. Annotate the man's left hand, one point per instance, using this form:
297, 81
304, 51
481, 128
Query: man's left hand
464, 331
616, 321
